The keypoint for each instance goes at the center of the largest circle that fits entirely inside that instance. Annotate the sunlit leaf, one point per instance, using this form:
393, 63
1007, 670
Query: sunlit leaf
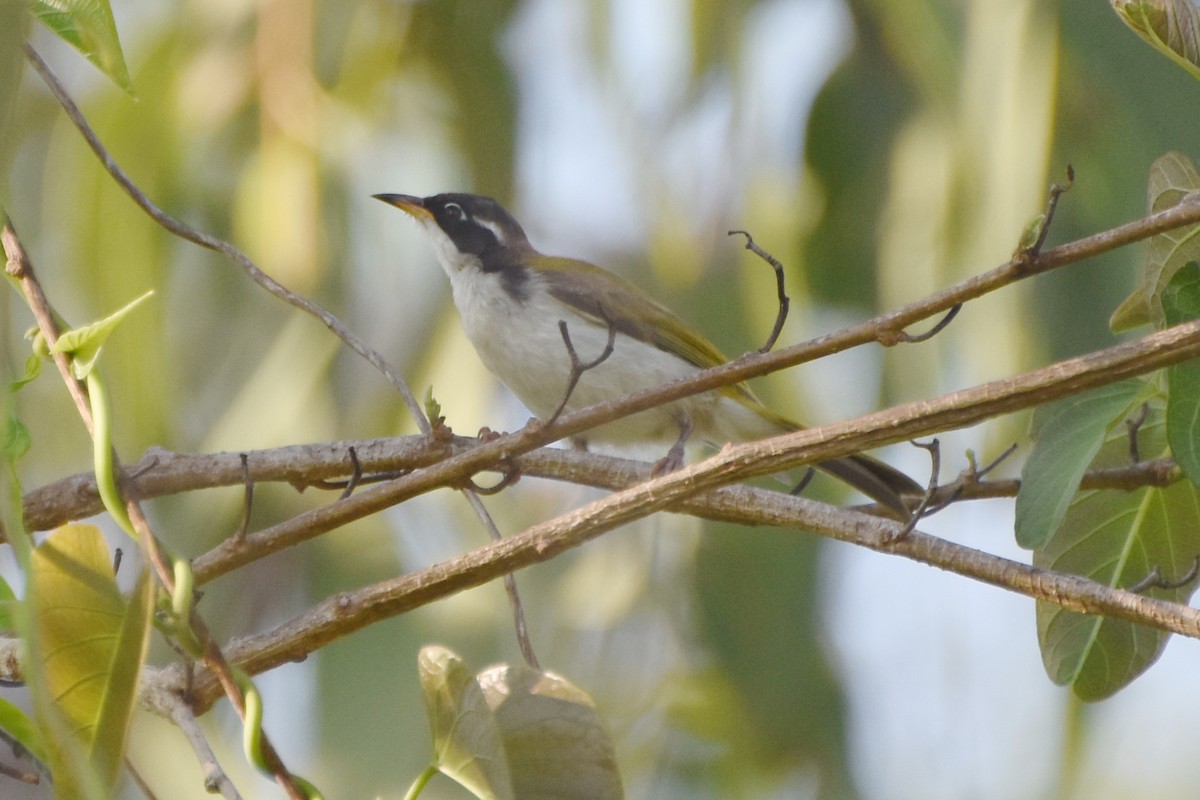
1173, 178
466, 739
88, 25
1067, 435
554, 740
1181, 303
33, 368
92, 643
513, 732
1117, 538
1171, 26
84, 343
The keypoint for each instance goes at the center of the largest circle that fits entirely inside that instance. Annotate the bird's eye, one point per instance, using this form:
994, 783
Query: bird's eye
454, 211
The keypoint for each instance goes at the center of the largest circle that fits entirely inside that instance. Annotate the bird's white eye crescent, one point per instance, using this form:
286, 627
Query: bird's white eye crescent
454, 211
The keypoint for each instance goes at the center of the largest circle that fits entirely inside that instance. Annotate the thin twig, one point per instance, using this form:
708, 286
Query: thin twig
184, 231
20, 775
1031, 252
510, 586
934, 448
247, 497
139, 780
1132, 426
509, 475
970, 477
780, 289
215, 779
803, 483
356, 474
904, 337
578, 367
1155, 580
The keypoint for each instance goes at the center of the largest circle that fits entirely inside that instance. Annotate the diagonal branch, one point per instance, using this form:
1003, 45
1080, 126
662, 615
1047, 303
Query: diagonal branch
185, 231
350, 611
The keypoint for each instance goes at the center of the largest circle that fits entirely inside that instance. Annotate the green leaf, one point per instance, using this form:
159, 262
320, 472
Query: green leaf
1173, 178
17, 724
92, 644
8, 601
83, 344
516, 732
88, 26
1171, 26
1181, 303
33, 368
1117, 538
1067, 435
466, 741
554, 740
16, 439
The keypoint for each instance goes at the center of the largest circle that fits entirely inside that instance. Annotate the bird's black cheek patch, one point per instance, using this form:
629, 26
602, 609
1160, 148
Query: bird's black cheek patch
472, 238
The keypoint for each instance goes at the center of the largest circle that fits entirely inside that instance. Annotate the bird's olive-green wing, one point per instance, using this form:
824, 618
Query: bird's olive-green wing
608, 299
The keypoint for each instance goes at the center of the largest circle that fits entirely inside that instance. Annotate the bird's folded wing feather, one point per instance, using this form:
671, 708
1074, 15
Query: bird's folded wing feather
607, 299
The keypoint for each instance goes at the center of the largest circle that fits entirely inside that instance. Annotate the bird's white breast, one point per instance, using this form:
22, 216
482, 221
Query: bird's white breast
519, 341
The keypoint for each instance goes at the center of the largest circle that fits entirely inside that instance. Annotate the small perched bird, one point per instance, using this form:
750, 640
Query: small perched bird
511, 299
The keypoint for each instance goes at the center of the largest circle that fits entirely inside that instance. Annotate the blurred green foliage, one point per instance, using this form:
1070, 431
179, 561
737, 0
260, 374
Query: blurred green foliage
926, 152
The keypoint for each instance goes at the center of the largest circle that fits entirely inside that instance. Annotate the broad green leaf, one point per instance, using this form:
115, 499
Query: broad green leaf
92, 643
554, 740
1117, 538
20, 728
1171, 26
513, 732
83, 344
466, 741
88, 26
1173, 178
1066, 435
1181, 303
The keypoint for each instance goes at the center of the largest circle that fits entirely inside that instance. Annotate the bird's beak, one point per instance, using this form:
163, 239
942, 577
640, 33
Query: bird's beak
413, 206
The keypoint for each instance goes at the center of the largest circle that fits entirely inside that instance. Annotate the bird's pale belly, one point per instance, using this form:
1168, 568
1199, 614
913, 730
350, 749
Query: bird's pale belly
533, 361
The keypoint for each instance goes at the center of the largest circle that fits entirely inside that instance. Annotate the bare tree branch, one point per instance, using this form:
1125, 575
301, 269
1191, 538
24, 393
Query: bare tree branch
188, 233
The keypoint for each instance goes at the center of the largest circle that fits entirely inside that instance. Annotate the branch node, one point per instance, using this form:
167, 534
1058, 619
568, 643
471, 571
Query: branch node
934, 447
1034, 237
1132, 426
509, 475
890, 338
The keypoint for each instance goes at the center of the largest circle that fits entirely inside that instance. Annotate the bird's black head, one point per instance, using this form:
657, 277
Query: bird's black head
477, 225
477, 232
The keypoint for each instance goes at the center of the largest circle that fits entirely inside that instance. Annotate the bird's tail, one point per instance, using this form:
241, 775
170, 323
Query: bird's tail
878, 481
